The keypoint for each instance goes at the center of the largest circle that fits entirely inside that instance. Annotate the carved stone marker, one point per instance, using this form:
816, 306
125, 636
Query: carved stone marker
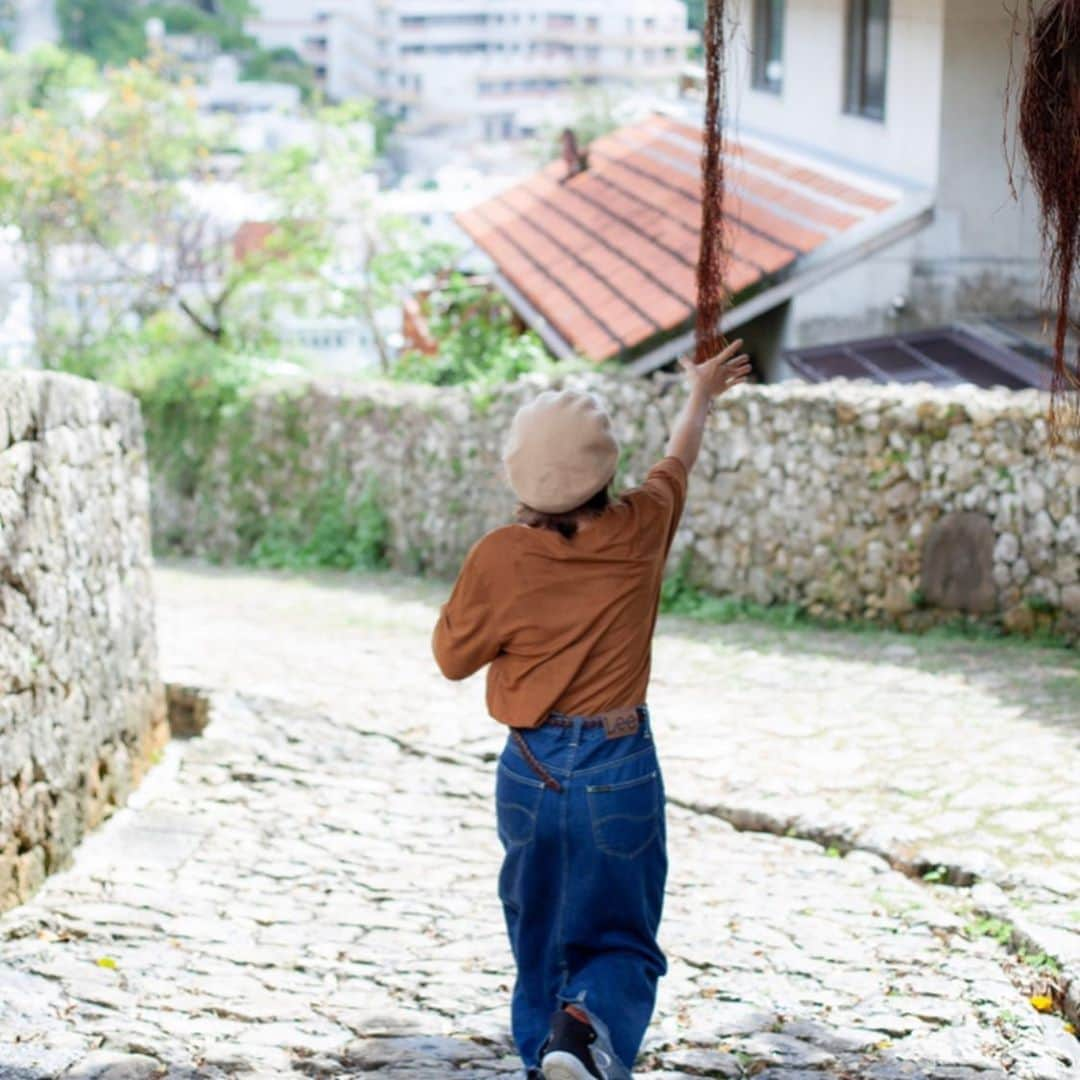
958, 564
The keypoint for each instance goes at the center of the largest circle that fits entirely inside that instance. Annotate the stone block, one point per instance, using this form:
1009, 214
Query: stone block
958, 564
110, 1065
78, 667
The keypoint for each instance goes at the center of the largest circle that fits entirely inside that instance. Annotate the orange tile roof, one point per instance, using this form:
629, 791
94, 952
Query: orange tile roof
608, 256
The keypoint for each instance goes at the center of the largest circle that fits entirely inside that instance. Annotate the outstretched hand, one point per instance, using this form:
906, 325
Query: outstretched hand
708, 380
719, 373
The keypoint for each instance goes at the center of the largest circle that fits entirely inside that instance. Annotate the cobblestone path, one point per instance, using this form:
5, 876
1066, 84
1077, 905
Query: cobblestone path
309, 887
935, 754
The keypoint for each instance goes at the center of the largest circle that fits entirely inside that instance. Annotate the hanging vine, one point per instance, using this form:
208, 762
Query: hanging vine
711, 291
1049, 128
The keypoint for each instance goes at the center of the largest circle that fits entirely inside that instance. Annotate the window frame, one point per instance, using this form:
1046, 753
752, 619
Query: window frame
856, 96
764, 13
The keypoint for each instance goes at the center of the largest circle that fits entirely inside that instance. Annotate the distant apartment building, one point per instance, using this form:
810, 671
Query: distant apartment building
485, 65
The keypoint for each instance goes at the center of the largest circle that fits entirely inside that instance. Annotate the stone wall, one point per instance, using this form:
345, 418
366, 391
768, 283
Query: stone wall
905, 505
81, 708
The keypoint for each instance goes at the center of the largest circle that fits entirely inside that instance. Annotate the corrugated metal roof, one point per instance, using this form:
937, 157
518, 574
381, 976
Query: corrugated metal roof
943, 357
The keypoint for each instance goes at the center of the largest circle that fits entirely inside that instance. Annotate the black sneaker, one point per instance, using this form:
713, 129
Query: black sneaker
570, 1052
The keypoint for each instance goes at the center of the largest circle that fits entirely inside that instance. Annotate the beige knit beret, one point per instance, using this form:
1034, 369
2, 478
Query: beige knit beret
560, 451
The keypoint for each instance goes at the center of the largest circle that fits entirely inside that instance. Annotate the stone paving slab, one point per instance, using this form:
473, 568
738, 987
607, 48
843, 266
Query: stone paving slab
292, 895
928, 751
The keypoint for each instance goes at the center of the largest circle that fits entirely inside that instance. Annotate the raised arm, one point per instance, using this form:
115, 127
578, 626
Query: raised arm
707, 380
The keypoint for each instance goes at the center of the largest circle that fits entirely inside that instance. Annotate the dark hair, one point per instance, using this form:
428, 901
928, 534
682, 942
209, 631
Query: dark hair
565, 523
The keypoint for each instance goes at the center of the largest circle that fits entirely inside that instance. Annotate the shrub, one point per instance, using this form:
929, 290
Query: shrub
186, 385
326, 529
477, 340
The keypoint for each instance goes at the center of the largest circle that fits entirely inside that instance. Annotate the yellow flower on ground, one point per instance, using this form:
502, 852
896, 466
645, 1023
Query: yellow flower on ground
1042, 1003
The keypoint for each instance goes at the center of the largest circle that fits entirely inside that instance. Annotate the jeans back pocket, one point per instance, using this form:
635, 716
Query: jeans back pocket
517, 802
625, 815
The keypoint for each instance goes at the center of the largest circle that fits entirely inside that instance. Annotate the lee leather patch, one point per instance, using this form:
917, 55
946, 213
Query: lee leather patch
621, 722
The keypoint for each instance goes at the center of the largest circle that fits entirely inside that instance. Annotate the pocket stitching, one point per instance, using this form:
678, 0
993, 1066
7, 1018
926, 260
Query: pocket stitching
654, 814
512, 803
622, 785
530, 781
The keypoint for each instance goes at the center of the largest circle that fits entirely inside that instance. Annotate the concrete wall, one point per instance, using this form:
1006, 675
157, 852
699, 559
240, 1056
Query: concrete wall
983, 252
81, 707
810, 109
943, 128
843, 498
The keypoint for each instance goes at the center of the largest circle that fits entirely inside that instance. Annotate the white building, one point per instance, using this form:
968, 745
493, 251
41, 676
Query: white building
910, 92
331, 36
433, 207
263, 116
483, 65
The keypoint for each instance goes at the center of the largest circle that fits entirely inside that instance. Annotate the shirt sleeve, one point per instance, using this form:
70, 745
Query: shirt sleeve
662, 497
465, 637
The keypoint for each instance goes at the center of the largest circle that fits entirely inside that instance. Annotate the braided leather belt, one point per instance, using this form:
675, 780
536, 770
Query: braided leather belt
616, 722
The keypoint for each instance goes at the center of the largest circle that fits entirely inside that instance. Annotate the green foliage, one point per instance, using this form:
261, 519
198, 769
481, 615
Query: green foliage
280, 66
384, 128
326, 529
121, 177
1041, 961
966, 628
111, 31
103, 181
998, 929
41, 79
195, 397
1040, 605
936, 875
679, 597
187, 387
477, 339
225, 24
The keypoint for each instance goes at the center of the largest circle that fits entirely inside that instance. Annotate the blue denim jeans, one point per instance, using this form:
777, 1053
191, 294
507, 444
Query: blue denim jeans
582, 880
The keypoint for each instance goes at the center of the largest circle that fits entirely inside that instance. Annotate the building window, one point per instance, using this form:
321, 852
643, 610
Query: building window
769, 45
867, 57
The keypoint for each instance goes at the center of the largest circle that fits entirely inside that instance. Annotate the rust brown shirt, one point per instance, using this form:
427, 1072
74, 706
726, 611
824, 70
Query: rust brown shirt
566, 625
